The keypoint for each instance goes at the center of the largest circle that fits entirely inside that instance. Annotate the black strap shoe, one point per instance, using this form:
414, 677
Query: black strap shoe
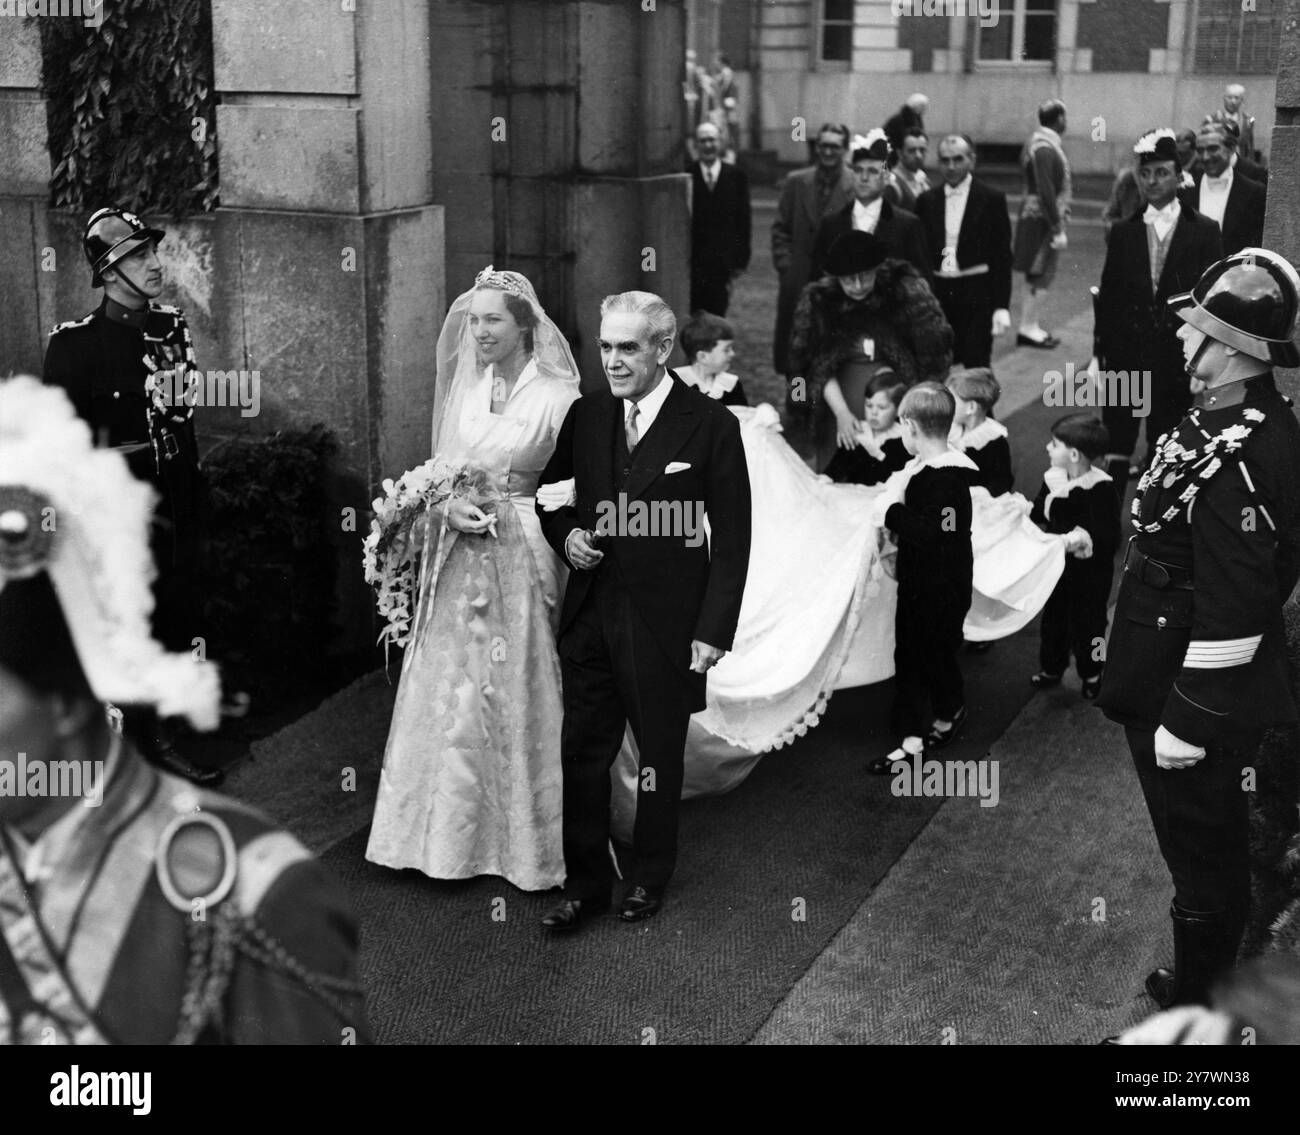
641, 903
938, 738
1044, 681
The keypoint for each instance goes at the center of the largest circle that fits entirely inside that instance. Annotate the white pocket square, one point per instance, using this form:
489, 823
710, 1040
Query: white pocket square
676, 467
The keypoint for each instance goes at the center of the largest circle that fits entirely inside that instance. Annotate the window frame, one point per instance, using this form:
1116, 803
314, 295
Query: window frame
819, 39
1019, 17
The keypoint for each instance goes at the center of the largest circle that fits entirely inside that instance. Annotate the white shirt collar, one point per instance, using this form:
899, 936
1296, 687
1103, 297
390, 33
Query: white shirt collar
866, 217
1218, 183
1059, 483
1168, 213
649, 406
979, 437
711, 169
715, 386
960, 189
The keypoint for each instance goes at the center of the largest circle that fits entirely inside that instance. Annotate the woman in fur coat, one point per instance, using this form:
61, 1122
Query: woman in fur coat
867, 309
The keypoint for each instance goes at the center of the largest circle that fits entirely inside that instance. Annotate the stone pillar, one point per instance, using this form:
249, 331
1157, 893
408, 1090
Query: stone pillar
24, 186
1282, 219
327, 248
1170, 59
875, 37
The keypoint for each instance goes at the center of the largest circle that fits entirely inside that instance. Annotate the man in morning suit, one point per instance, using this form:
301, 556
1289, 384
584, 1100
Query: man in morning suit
647, 612
871, 212
719, 224
968, 234
1234, 202
1150, 256
806, 197
1196, 662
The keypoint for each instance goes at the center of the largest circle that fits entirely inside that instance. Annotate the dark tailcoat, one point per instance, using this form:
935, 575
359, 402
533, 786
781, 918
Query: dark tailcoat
1243, 220
899, 229
985, 238
720, 235
626, 627
1136, 331
798, 216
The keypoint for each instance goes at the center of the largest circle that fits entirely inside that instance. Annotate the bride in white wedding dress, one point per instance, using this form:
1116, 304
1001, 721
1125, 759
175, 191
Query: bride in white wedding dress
818, 612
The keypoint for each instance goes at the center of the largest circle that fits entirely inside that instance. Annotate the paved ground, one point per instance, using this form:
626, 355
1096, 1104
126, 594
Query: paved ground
926, 920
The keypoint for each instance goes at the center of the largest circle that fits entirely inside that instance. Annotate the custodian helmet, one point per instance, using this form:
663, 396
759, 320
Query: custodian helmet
1249, 301
112, 234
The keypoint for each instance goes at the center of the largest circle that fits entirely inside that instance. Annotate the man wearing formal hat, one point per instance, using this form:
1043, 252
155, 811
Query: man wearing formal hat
129, 369
134, 908
871, 211
1196, 663
1151, 255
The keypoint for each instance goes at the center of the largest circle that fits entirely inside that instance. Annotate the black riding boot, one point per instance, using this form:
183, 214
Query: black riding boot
1205, 947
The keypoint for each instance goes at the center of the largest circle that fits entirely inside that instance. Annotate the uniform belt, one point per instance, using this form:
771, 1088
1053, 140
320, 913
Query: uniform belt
1153, 573
962, 273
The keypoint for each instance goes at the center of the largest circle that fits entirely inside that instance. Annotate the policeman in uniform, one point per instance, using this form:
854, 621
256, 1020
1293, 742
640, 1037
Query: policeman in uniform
1196, 662
134, 907
129, 369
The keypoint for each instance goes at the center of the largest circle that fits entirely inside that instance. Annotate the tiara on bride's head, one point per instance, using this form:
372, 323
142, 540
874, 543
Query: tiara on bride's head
511, 282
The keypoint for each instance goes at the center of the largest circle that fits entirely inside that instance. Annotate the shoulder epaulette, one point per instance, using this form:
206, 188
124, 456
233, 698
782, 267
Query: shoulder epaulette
72, 323
196, 861
166, 309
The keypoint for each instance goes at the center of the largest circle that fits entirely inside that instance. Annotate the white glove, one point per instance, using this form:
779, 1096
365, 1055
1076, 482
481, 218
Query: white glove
1174, 753
561, 494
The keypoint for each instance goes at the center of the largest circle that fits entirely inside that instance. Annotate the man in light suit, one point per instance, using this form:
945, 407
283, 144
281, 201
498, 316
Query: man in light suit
871, 212
807, 196
720, 222
908, 179
1233, 201
1234, 94
968, 233
647, 612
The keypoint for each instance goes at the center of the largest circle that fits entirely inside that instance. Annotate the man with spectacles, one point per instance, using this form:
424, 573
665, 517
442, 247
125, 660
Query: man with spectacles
807, 196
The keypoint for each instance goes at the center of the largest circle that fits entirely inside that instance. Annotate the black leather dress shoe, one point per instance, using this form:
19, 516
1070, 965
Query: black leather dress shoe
937, 739
1160, 984
641, 903
570, 913
167, 758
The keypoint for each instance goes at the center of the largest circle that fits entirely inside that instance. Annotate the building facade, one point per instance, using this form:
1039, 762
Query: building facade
1121, 66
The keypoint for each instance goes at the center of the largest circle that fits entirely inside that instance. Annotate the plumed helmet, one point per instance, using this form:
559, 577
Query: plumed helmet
112, 234
1249, 301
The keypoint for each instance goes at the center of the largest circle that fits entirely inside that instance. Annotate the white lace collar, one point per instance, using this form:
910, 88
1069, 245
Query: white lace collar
988, 430
1059, 482
714, 387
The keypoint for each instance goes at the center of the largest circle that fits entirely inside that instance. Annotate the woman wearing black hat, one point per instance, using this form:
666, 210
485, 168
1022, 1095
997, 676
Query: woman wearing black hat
868, 310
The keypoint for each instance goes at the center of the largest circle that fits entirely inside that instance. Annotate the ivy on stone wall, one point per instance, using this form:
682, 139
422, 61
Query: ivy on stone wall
131, 107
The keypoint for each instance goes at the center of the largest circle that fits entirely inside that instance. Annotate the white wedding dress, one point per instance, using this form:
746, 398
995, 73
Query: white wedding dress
818, 611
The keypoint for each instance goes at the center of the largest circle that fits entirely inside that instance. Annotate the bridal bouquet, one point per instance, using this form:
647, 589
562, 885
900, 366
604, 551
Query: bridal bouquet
390, 554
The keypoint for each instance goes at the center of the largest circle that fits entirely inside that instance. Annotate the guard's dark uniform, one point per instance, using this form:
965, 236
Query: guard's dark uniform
1197, 642
173, 915
105, 363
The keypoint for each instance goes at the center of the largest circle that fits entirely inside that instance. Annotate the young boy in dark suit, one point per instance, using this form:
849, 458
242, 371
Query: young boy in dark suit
1077, 501
927, 507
